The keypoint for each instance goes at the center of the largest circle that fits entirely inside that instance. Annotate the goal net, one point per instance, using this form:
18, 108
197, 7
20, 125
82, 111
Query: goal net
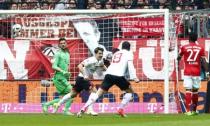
29, 41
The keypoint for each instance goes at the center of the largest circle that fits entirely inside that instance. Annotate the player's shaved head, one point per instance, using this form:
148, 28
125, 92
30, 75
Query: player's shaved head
126, 45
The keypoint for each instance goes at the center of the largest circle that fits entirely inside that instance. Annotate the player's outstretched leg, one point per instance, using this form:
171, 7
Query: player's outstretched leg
90, 101
46, 105
67, 106
55, 107
126, 99
80, 113
121, 112
44, 108
90, 111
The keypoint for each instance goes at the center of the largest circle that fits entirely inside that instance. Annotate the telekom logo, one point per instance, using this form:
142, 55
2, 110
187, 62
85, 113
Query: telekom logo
6, 107
154, 107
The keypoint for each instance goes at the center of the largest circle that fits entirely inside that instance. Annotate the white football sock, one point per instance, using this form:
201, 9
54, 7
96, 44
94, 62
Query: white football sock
92, 98
126, 98
65, 98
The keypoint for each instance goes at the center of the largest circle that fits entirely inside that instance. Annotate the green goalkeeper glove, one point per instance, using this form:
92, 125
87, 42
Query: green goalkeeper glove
66, 74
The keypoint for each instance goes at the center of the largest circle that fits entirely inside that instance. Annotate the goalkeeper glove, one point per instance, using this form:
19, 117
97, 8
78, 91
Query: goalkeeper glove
66, 74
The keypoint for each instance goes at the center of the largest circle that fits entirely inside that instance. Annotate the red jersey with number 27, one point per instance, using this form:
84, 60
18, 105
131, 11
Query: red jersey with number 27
192, 53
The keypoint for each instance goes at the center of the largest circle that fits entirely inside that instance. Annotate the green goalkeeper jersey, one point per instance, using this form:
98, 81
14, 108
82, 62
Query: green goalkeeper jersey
61, 60
60, 80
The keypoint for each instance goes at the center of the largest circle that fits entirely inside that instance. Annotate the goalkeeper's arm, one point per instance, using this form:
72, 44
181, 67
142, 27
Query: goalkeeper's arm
56, 67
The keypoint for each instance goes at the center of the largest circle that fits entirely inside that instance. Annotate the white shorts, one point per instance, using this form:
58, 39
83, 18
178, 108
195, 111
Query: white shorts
192, 82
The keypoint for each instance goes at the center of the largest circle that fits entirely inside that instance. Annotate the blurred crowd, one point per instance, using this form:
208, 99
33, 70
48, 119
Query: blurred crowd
196, 22
104, 4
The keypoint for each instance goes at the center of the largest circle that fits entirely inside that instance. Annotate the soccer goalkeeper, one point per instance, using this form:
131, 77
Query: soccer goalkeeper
60, 65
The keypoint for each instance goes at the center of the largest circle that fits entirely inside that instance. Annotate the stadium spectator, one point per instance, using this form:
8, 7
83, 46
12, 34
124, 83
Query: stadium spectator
198, 4
82, 4
24, 6
120, 5
72, 4
91, 1
206, 4
14, 6
91, 6
45, 5
178, 8
108, 5
60, 5
4, 5
154, 3
33, 4
194, 57
98, 5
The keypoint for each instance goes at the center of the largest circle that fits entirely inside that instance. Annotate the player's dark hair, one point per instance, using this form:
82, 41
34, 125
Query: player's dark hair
98, 49
114, 50
45, 2
193, 37
126, 45
62, 39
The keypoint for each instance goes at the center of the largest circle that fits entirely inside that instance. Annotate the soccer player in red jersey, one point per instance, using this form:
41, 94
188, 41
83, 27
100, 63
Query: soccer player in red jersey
194, 57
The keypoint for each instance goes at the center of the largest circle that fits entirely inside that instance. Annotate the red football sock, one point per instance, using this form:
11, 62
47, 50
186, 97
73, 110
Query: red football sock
188, 98
195, 100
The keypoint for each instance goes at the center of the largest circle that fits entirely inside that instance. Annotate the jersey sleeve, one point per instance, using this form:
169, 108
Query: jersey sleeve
88, 61
202, 52
130, 56
131, 68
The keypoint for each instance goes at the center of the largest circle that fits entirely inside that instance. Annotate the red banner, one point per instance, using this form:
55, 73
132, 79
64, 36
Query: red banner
142, 26
42, 26
24, 59
147, 26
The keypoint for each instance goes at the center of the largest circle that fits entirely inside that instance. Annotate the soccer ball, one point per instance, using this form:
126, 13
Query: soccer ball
16, 28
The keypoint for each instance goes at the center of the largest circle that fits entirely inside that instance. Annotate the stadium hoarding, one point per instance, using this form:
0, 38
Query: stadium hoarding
27, 96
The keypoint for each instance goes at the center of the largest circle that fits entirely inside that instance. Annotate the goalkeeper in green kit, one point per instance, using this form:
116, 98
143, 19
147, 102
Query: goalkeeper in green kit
61, 62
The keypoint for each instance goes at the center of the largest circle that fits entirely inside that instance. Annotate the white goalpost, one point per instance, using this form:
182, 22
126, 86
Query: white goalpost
30, 43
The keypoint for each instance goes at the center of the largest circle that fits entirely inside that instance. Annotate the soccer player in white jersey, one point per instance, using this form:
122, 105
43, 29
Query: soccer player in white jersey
115, 75
86, 68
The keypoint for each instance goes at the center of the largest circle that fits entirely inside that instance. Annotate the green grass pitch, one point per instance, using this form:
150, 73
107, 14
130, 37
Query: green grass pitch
104, 120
